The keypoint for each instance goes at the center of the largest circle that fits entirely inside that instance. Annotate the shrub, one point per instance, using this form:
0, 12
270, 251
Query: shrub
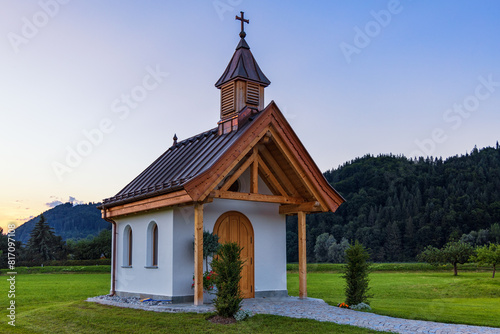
227, 266
242, 315
361, 307
356, 272
210, 245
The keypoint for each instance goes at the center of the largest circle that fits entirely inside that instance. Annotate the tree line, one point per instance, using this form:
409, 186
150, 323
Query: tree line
396, 206
44, 245
69, 221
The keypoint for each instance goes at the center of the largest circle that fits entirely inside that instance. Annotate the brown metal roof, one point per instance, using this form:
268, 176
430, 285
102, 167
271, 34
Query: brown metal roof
196, 165
179, 164
285, 148
243, 65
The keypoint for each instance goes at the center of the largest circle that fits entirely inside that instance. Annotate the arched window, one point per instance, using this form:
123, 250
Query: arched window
155, 245
127, 246
152, 244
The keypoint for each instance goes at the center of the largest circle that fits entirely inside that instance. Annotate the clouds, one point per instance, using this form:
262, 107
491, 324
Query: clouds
53, 204
58, 201
74, 201
25, 219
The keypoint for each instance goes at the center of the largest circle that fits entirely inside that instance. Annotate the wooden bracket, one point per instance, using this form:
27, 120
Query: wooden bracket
296, 208
256, 197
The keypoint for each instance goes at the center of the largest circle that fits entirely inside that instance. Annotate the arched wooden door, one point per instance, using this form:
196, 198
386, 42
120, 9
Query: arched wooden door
233, 226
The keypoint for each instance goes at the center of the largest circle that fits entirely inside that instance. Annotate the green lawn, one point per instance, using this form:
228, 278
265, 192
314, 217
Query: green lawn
469, 298
54, 303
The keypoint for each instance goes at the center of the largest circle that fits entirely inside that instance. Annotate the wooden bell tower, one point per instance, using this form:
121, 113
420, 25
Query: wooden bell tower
242, 86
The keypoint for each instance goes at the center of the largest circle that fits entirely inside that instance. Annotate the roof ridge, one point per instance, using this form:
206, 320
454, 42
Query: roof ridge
196, 137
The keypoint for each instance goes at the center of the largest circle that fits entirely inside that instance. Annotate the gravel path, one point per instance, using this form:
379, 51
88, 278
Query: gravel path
311, 308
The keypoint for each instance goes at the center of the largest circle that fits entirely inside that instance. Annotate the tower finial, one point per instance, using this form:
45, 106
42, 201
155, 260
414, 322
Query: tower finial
243, 21
175, 139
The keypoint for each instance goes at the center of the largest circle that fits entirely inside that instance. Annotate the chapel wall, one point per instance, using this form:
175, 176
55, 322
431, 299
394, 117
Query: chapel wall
138, 279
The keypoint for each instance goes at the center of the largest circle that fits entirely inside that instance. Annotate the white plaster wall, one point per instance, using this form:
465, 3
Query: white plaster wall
183, 248
269, 238
139, 279
269, 234
174, 275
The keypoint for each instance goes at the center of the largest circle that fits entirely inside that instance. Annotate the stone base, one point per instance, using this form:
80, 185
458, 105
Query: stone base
173, 299
271, 294
190, 298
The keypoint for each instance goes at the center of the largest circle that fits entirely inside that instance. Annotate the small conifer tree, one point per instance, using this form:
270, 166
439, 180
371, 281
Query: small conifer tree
227, 265
355, 272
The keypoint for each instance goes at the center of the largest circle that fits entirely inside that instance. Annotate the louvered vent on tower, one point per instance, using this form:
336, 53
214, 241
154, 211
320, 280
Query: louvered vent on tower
253, 93
228, 103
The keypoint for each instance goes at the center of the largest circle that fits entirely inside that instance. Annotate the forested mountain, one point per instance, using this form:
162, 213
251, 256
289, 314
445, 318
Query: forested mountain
396, 206
68, 221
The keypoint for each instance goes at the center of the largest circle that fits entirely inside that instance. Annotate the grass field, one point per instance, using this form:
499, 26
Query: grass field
469, 298
388, 267
54, 303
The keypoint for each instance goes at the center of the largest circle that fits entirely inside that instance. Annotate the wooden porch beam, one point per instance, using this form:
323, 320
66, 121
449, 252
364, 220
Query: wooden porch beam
198, 254
267, 174
254, 172
296, 208
238, 173
296, 165
302, 255
255, 197
279, 172
171, 199
235, 159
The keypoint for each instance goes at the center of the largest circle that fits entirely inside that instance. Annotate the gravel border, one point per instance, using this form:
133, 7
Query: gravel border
309, 308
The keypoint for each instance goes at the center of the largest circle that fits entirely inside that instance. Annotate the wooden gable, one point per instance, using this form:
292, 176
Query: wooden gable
272, 150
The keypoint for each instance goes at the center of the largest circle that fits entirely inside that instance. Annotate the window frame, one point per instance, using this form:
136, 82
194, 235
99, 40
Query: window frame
128, 246
152, 245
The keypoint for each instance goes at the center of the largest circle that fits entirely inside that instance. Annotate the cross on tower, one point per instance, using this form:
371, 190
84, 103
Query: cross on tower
243, 21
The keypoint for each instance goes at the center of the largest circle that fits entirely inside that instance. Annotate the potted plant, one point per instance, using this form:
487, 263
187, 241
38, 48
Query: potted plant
210, 247
208, 286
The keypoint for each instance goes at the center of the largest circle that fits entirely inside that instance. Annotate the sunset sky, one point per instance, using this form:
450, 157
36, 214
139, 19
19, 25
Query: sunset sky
93, 91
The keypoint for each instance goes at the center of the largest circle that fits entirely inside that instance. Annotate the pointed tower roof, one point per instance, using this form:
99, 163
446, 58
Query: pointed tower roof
243, 65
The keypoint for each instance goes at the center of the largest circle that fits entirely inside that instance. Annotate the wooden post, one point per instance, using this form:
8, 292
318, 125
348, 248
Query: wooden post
198, 254
254, 173
302, 255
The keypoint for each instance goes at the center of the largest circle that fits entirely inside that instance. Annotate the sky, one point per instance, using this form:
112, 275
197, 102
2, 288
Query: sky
92, 91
